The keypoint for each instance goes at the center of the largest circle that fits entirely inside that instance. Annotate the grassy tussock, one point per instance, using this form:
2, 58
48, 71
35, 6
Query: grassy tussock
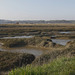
35, 41
50, 56
9, 60
62, 66
59, 62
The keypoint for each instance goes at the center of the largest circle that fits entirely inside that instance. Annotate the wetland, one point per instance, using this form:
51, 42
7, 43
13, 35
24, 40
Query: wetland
34, 42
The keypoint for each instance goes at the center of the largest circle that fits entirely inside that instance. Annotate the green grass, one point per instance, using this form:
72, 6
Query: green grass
61, 66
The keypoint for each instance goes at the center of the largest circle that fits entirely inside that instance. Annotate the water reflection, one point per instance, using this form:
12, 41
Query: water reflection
60, 41
17, 37
66, 32
35, 52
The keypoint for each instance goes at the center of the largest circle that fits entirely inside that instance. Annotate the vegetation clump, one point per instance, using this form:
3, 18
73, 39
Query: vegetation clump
51, 55
35, 41
13, 42
9, 60
47, 44
71, 44
61, 66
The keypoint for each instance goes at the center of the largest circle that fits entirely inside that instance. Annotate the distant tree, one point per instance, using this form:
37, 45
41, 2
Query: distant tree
17, 22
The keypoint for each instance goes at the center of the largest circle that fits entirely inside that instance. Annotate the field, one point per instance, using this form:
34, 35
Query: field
37, 30
56, 60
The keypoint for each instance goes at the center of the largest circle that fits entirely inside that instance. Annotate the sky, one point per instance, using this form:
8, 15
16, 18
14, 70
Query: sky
37, 9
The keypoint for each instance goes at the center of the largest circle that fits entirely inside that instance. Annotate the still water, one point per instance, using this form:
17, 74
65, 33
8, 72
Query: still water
60, 41
17, 37
35, 52
66, 32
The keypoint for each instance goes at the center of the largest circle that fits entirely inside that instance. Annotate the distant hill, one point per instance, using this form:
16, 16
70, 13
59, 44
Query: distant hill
36, 21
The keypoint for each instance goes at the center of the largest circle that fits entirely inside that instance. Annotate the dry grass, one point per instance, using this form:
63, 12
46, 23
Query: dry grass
36, 29
9, 60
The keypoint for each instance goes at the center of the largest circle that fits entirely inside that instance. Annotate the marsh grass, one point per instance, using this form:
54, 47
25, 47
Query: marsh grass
9, 60
13, 42
61, 66
16, 42
34, 29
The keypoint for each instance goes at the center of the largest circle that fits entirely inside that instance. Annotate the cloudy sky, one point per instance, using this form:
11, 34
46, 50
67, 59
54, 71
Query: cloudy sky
37, 9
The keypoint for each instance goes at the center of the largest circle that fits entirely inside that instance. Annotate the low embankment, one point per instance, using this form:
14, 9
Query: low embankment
59, 62
68, 51
10, 61
35, 41
62, 66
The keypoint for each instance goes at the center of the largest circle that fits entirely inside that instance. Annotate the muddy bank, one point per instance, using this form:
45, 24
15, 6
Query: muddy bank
67, 51
35, 46
9, 60
35, 41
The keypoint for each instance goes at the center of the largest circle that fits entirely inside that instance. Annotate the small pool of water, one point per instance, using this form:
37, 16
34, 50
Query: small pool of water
17, 37
60, 41
35, 52
66, 32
